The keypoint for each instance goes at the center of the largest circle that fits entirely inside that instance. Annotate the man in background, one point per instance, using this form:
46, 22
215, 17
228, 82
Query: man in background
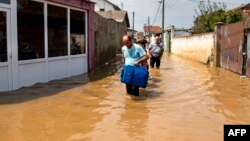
156, 52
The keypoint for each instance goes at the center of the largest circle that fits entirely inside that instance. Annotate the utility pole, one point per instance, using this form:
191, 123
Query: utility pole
133, 25
148, 26
163, 11
122, 5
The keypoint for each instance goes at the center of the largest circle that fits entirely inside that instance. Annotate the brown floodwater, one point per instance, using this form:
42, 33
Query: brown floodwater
184, 101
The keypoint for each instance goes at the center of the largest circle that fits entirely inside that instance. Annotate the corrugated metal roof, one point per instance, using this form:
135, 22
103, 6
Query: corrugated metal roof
118, 16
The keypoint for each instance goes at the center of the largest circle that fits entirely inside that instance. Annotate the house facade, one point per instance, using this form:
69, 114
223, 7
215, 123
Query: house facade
105, 5
36, 41
244, 8
152, 30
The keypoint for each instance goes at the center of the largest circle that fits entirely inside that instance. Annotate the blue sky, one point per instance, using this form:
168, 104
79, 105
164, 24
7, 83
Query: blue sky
179, 13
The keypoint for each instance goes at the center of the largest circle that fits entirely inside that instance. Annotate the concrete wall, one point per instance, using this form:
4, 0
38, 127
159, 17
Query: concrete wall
197, 47
108, 39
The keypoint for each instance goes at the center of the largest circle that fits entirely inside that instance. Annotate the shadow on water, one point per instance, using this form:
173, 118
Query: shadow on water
153, 82
54, 87
150, 95
150, 92
42, 89
108, 69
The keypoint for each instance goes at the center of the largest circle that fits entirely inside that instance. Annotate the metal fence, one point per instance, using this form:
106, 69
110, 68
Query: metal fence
231, 41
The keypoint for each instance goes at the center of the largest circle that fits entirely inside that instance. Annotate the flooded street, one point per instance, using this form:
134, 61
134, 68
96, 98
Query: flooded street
184, 101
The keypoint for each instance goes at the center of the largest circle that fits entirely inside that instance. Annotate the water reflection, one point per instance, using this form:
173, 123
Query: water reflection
59, 117
232, 94
134, 119
184, 100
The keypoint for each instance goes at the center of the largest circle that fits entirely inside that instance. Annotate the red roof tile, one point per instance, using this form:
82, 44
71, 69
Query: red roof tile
154, 29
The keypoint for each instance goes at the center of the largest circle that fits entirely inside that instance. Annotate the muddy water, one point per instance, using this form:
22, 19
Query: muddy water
184, 101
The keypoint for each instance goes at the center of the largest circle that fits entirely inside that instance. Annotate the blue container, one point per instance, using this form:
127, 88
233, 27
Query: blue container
127, 74
135, 76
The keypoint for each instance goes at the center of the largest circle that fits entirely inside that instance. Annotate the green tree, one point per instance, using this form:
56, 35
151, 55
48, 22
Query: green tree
210, 13
234, 16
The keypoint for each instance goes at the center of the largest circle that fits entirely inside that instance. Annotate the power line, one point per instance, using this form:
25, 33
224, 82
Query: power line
169, 2
140, 15
157, 13
172, 4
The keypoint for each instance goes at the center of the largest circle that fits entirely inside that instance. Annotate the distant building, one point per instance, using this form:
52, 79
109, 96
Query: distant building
105, 5
244, 8
152, 30
139, 36
180, 32
131, 32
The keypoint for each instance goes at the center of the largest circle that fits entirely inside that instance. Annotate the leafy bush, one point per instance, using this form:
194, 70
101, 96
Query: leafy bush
210, 13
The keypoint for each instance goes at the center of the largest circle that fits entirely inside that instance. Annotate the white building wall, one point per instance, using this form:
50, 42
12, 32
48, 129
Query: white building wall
103, 4
15, 74
197, 47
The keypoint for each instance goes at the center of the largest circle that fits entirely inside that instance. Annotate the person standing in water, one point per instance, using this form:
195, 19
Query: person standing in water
134, 55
